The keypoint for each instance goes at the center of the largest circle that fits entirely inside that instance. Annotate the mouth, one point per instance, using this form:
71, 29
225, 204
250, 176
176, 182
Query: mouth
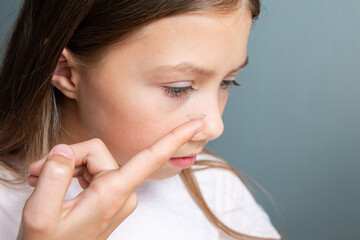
183, 162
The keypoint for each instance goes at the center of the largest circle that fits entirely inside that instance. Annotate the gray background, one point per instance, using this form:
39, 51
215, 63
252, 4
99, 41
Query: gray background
295, 125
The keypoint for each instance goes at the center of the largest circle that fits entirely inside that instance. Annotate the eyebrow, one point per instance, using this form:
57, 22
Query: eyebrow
193, 68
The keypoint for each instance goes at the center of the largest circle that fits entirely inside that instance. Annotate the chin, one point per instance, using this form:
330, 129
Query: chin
163, 174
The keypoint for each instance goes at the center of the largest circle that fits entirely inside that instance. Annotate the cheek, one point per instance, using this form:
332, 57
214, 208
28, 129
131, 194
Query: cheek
127, 121
128, 137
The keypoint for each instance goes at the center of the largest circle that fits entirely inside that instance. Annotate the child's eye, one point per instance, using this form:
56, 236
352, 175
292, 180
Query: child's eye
178, 92
226, 83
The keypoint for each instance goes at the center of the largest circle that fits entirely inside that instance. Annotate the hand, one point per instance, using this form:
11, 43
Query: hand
109, 197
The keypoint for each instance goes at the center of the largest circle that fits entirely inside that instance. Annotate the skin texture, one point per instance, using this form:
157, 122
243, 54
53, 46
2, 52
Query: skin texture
122, 101
121, 127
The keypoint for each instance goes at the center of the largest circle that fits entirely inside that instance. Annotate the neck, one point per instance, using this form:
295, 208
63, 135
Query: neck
71, 130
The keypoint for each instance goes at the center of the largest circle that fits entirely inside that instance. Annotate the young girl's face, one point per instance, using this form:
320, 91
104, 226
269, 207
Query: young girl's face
142, 88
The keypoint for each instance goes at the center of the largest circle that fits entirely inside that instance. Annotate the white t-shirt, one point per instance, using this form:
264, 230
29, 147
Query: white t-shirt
166, 211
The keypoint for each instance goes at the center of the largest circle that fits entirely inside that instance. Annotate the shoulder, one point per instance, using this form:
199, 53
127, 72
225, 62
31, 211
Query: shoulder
230, 199
220, 179
224, 185
12, 200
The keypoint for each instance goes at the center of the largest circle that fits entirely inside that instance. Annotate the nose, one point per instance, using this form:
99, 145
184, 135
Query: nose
214, 125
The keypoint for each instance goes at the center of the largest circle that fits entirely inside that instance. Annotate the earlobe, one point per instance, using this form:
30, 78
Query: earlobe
63, 77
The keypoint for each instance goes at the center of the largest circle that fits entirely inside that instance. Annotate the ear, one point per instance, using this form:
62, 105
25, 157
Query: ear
63, 77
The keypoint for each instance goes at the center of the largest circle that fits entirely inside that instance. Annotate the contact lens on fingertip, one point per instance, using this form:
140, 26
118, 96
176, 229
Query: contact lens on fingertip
195, 116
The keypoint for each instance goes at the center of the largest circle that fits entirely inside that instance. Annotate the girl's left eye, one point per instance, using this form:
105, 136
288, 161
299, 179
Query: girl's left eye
180, 92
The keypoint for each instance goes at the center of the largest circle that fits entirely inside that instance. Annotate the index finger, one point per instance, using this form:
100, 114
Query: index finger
92, 153
143, 164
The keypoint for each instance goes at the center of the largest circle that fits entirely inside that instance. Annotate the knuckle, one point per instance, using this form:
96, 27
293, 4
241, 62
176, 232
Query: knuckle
157, 165
105, 210
112, 202
107, 216
155, 153
99, 190
132, 201
150, 149
173, 133
179, 138
105, 193
97, 144
157, 157
108, 211
58, 170
102, 226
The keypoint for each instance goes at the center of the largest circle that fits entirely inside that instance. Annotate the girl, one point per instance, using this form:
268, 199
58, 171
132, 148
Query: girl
120, 95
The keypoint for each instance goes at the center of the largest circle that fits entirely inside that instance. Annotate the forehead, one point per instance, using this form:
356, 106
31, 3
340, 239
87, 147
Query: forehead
208, 38
196, 22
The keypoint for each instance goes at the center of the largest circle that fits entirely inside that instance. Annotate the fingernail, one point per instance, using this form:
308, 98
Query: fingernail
195, 116
63, 150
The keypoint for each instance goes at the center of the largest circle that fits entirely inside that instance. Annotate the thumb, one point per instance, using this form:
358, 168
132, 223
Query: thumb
54, 180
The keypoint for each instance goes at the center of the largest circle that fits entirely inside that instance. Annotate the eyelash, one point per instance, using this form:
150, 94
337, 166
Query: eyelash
181, 92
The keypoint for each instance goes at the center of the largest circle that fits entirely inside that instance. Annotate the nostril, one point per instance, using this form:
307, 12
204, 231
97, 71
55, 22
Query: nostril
195, 116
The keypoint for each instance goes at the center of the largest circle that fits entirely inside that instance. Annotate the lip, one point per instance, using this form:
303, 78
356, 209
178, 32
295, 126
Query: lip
183, 162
